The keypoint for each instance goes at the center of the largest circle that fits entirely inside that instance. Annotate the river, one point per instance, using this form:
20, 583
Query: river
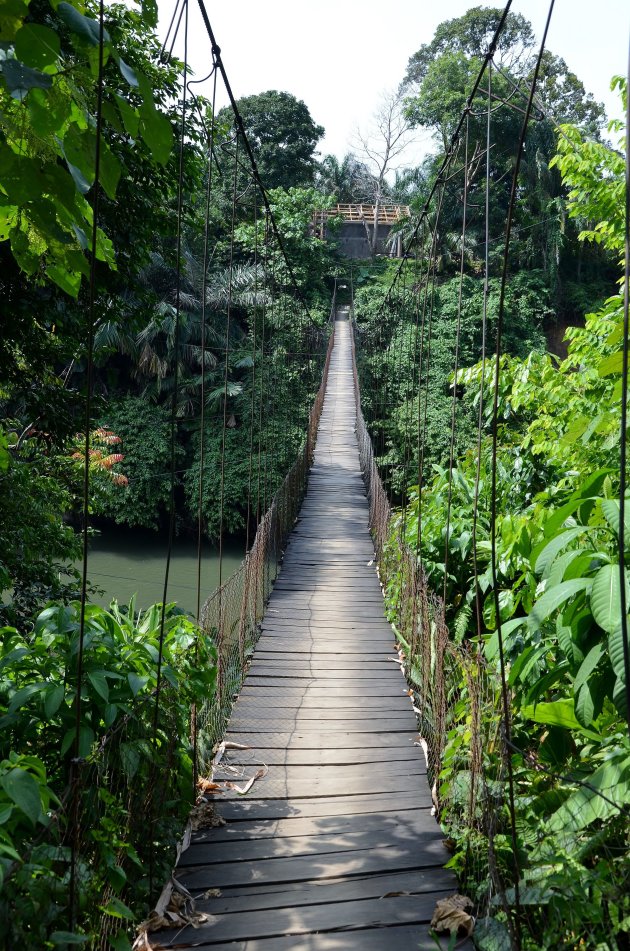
124, 562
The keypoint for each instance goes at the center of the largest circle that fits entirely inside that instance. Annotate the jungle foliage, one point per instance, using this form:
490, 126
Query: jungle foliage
96, 780
557, 580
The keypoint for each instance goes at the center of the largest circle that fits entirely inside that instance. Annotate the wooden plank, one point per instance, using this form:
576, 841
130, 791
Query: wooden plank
392, 858
402, 937
358, 887
293, 698
313, 807
338, 756
342, 916
413, 821
313, 846
286, 785
304, 739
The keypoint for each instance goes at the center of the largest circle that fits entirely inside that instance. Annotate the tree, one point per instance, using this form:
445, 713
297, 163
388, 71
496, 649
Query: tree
435, 89
347, 181
470, 35
382, 147
283, 136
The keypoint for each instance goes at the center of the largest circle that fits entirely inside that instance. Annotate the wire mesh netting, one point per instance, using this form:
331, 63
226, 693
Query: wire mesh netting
231, 615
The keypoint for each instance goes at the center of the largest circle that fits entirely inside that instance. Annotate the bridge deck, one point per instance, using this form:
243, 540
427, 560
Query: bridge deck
335, 848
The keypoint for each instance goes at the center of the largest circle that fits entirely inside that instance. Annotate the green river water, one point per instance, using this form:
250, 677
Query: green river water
124, 562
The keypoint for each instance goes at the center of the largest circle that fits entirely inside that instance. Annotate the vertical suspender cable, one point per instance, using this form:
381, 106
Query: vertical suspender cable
422, 423
253, 398
75, 764
173, 430
204, 282
484, 328
493, 501
202, 421
451, 455
624, 417
226, 376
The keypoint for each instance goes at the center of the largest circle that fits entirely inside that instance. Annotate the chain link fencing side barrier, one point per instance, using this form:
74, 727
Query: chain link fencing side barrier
449, 683
232, 614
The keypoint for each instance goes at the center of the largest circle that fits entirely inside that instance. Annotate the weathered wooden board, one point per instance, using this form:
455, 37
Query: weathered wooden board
402, 937
407, 909
409, 822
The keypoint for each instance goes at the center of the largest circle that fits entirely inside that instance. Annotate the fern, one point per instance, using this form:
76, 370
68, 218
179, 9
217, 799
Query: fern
460, 626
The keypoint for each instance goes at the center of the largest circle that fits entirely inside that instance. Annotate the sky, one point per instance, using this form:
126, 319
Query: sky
340, 56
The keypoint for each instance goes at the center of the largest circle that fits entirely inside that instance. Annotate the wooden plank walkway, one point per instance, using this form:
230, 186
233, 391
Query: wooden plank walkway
335, 848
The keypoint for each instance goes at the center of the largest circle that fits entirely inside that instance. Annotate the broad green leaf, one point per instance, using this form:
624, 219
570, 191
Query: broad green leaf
110, 713
610, 508
23, 252
129, 116
150, 12
492, 935
586, 804
556, 713
67, 281
584, 705
53, 700
8, 220
86, 740
85, 27
616, 653
525, 661
23, 695
556, 596
20, 78
155, 128
619, 696
157, 133
110, 171
137, 683
68, 937
547, 681
606, 598
37, 46
575, 430
588, 665
99, 682
23, 790
507, 628
120, 942
117, 909
48, 113
116, 877
83, 185
611, 364
589, 488
5, 813
544, 555
127, 73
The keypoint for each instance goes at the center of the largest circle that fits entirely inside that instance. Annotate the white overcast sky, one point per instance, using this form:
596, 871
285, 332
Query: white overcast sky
339, 56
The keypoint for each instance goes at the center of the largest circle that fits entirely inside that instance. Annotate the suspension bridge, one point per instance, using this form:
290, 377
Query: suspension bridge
316, 760
335, 840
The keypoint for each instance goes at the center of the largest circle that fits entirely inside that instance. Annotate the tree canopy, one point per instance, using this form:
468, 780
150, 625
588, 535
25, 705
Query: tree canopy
283, 136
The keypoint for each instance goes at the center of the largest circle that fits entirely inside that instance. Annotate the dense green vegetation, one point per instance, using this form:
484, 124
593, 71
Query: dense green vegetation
557, 535
96, 778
